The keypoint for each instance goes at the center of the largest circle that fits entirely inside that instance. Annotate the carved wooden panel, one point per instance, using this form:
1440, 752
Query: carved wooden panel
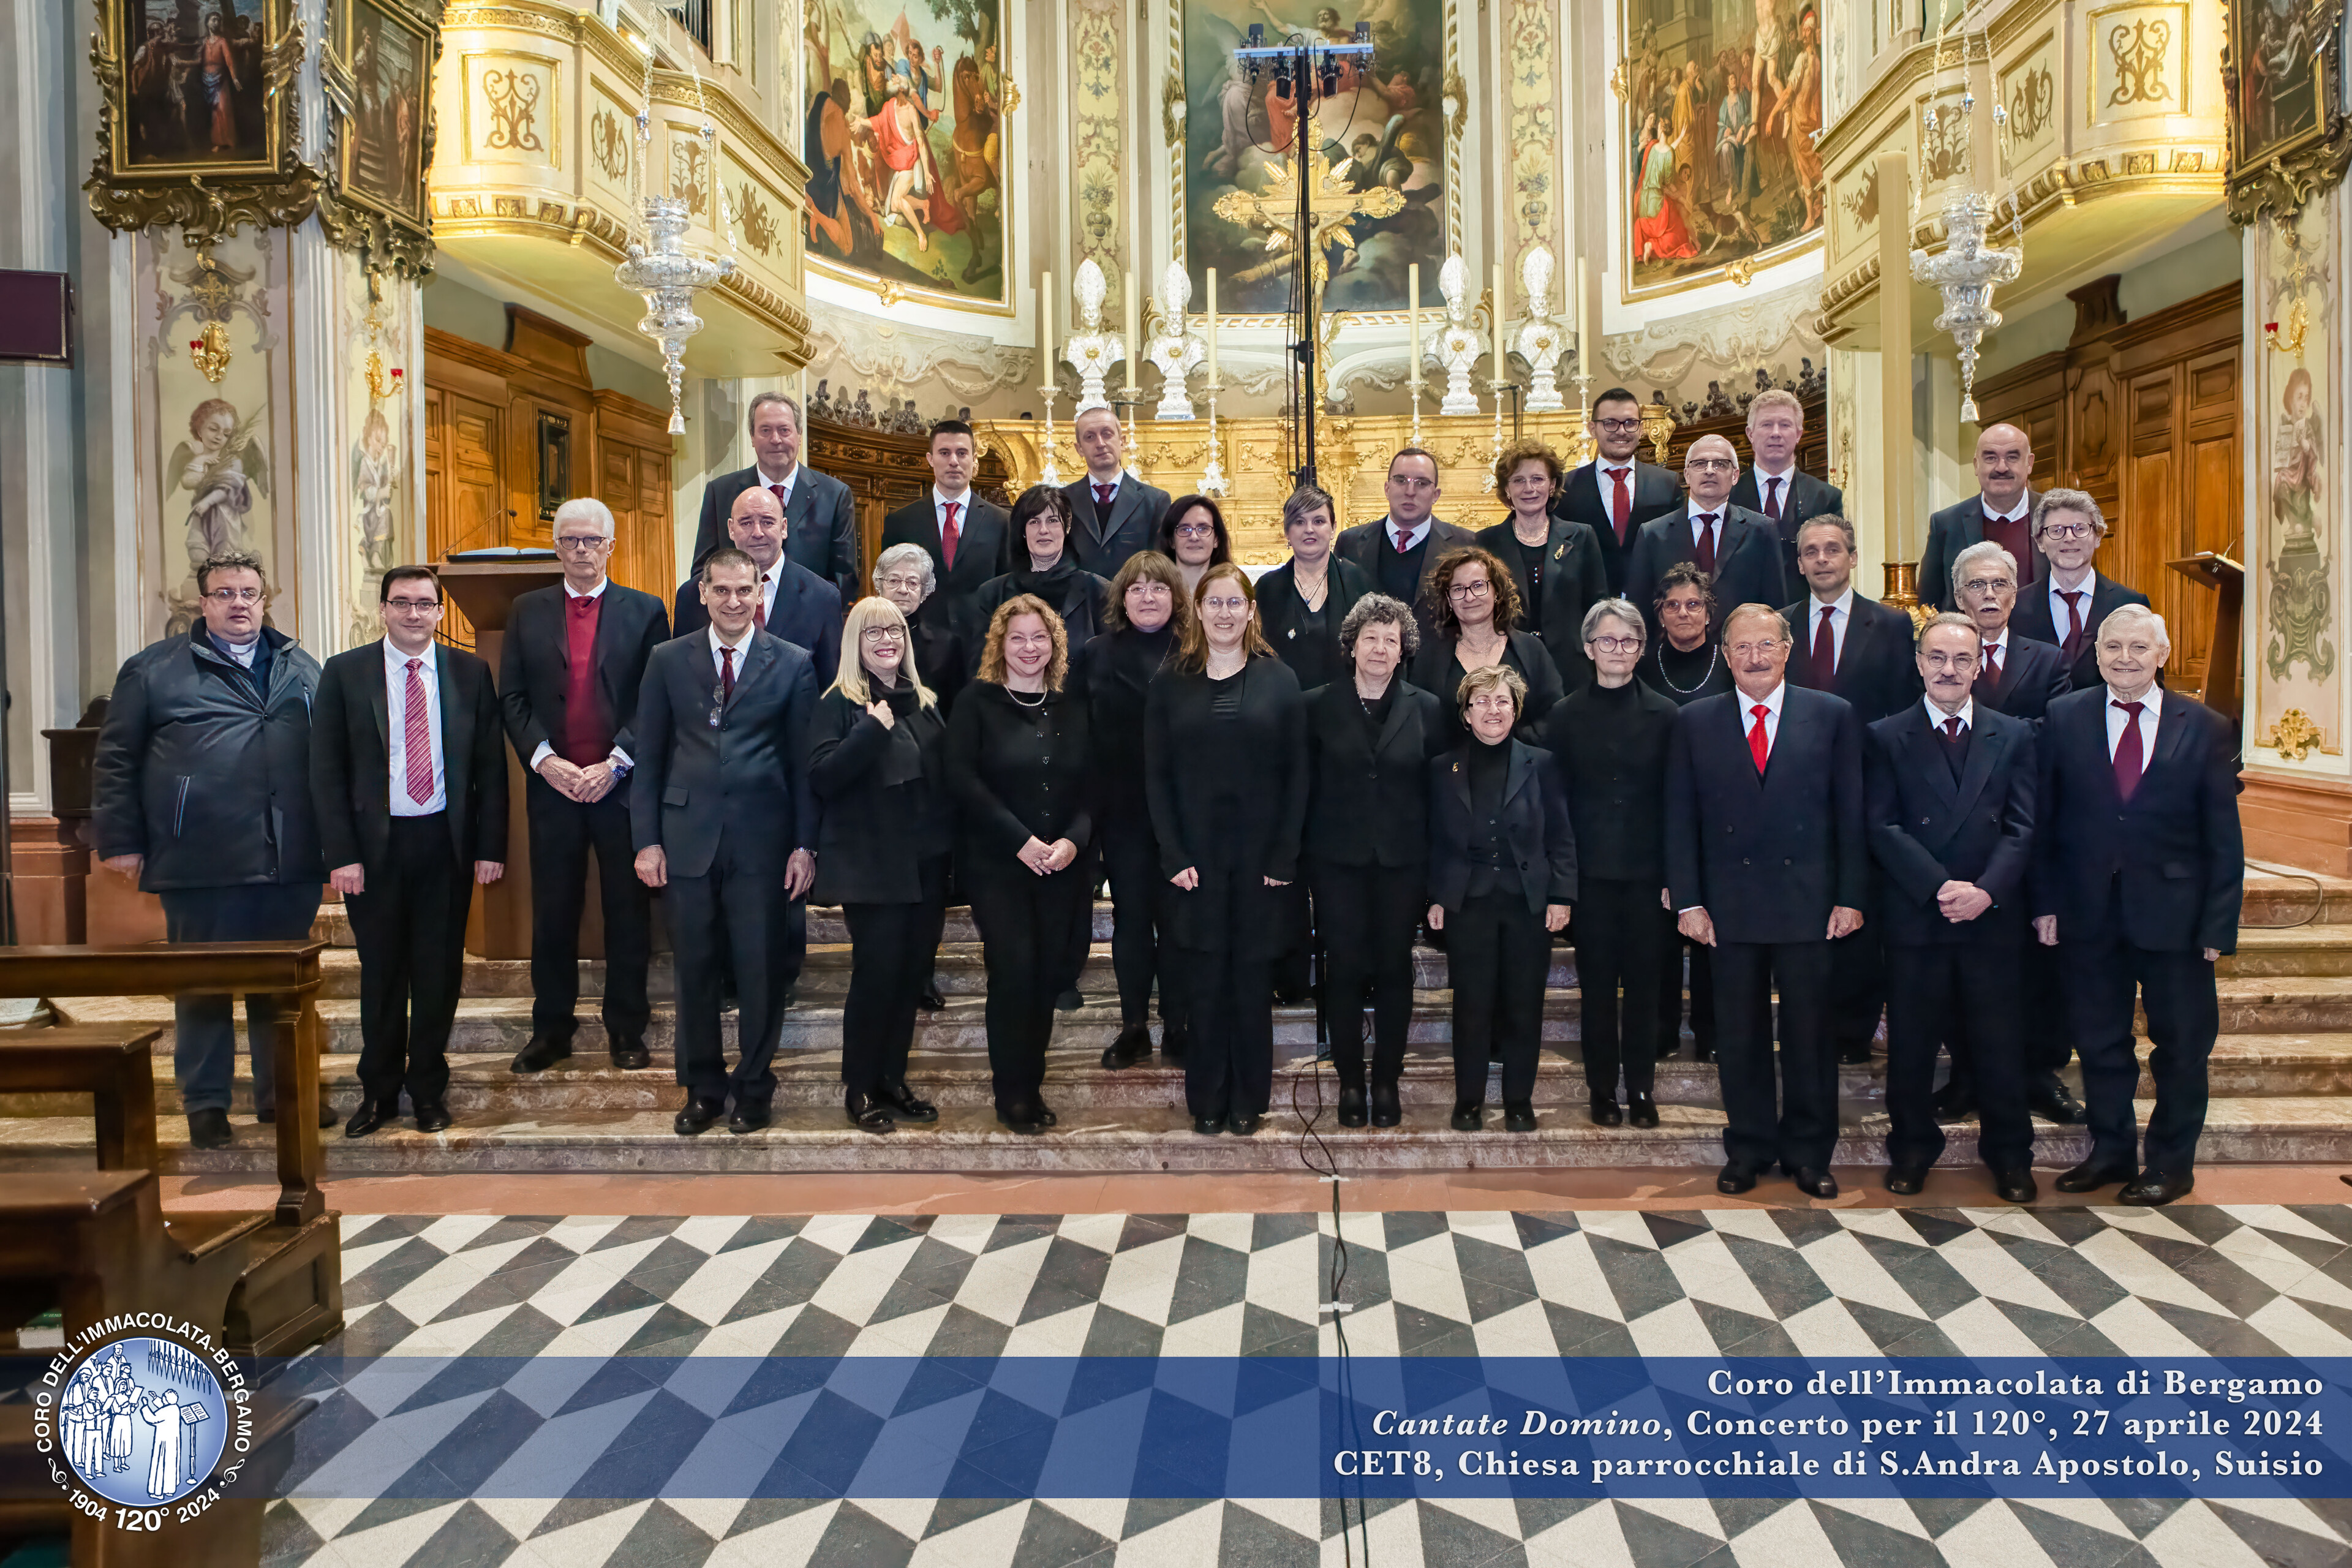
884, 471
465, 487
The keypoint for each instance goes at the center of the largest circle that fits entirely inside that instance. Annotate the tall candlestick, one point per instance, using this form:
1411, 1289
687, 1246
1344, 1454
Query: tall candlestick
1587, 348
1412, 359
1046, 327
1134, 341
1499, 336
1212, 327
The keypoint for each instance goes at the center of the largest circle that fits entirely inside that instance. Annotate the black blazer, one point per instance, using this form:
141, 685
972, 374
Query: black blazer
1574, 578
1364, 544
1953, 530
1434, 672
535, 664
1017, 772
1534, 824
982, 546
2032, 619
1101, 545
1807, 497
1076, 595
883, 796
1368, 797
1191, 760
939, 657
820, 526
1114, 677
1747, 564
807, 613
350, 759
1584, 499
1768, 856
1877, 671
2175, 847
2034, 675
1283, 618
1610, 747
1927, 828
745, 777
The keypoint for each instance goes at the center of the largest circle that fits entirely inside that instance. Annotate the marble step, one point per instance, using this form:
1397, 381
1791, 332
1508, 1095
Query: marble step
2276, 1130
2306, 950
2275, 898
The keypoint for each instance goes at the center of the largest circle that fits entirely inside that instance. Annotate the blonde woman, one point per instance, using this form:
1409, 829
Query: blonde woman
877, 762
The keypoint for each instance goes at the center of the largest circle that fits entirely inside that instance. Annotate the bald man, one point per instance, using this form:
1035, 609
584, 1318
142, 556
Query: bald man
2001, 511
1739, 549
798, 605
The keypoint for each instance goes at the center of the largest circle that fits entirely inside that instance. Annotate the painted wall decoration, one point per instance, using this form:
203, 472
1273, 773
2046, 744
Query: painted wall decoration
376, 514
904, 141
1721, 102
1381, 128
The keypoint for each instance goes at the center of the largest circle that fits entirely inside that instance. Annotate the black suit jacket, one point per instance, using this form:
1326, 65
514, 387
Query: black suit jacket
744, 777
1367, 796
2175, 847
1535, 826
1584, 499
984, 553
807, 613
1102, 545
2032, 619
1878, 672
820, 526
1283, 618
1954, 529
1747, 563
1927, 828
535, 664
2034, 675
1365, 544
1768, 856
350, 759
1805, 497
1574, 577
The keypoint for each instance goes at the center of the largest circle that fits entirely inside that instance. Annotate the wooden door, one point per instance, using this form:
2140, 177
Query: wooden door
465, 484
634, 480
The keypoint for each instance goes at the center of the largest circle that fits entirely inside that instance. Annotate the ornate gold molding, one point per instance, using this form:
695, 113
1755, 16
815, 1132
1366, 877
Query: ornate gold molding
2284, 180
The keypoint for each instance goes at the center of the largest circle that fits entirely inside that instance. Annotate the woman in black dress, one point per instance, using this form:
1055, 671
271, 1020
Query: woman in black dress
1193, 535
1225, 761
1044, 568
904, 575
1302, 602
876, 750
1685, 665
1608, 740
1472, 604
1555, 562
1145, 617
1369, 739
1502, 874
1017, 765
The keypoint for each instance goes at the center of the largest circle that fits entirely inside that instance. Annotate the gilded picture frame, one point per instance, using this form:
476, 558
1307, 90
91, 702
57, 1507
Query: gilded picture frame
379, 80
2283, 70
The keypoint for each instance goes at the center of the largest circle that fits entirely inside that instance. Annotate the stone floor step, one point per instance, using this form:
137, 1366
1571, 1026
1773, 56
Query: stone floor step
2275, 898
2303, 950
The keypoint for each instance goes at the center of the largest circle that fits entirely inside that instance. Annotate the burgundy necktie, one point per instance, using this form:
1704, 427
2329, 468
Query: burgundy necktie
2131, 759
1825, 647
1759, 745
948, 533
726, 674
1990, 675
1772, 499
1621, 503
783, 494
1952, 728
1703, 556
418, 731
1401, 535
2073, 621
1102, 494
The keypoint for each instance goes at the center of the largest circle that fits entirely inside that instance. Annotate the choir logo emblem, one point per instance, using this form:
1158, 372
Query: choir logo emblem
136, 1428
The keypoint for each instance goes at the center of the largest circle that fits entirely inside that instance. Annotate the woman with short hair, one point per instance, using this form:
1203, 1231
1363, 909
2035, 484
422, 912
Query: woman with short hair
1473, 604
1555, 562
1193, 535
1685, 663
1302, 602
904, 575
1046, 569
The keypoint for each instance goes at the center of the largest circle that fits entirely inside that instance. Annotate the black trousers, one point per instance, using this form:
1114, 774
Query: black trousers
1793, 1118
889, 966
1229, 1066
1292, 971
1025, 924
1078, 941
2037, 974
732, 920
1955, 992
1622, 936
1365, 916
1857, 986
1681, 952
410, 926
1141, 947
1499, 955
205, 1025
2184, 1014
561, 833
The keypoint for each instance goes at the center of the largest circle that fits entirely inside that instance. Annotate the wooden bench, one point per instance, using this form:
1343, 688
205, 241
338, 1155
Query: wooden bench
114, 1066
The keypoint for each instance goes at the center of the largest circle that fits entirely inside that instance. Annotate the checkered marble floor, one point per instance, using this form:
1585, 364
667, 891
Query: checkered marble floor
495, 1294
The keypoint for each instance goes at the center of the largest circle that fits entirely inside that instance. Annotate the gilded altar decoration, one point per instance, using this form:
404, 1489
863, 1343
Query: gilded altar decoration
209, 352
1335, 205
379, 86
2289, 133
608, 144
2294, 737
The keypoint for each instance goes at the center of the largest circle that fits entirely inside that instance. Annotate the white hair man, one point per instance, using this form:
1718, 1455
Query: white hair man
1773, 484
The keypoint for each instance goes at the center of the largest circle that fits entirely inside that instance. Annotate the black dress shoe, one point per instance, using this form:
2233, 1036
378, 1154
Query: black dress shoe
930, 1001
697, 1117
750, 1116
1469, 1116
1605, 1112
1293, 996
1641, 1111
867, 1112
1905, 1181
1815, 1183
544, 1052
2015, 1186
630, 1055
1044, 1112
1133, 1045
2051, 1100
1955, 1102
791, 995
1174, 1038
1026, 1119
1735, 1178
1386, 1111
2090, 1176
1069, 1001
371, 1115
1208, 1126
1242, 1123
432, 1117
903, 1104
1352, 1108
2152, 1189
1520, 1116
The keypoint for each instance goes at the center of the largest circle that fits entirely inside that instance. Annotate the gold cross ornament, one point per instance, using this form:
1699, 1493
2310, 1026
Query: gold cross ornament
1332, 207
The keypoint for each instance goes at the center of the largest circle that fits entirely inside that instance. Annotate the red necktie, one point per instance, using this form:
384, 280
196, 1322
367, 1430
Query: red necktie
2073, 621
1400, 537
2131, 759
1952, 728
1621, 503
1703, 556
1990, 675
1759, 745
948, 533
726, 674
1772, 499
1825, 647
781, 493
418, 735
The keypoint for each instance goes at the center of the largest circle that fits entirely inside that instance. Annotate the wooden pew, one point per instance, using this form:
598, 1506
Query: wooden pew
115, 1066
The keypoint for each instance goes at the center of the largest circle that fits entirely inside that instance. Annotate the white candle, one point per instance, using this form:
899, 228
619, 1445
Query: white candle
1587, 348
1134, 341
1046, 329
1212, 327
1498, 333
1412, 361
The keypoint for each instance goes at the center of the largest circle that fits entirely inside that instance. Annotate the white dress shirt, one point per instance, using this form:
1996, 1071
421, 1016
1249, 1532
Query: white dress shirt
619, 759
1771, 701
2058, 618
1694, 511
742, 650
1840, 611
1764, 497
2152, 701
395, 686
1935, 715
2016, 514
770, 576
1999, 644
1389, 526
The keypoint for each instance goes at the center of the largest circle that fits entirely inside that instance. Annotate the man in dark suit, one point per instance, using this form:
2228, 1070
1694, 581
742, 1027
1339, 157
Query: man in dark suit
968, 539
1616, 493
1399, 551
1859, 649
1767, 858
796, 605
1773, 487
1113, 513
410, 784
817, 508
2073, 599
1951, 787
1738, 549
2139, 870
723, 818
568, 677
2001, 513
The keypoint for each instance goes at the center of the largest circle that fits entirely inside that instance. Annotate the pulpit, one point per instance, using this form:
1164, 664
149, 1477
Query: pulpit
2224, 690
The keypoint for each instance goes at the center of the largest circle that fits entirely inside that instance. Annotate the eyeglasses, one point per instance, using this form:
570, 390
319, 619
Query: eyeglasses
1989, 585
1938, 658
1413, 481
1477, 590
582, 542
1710, 463
2069, 530
236, 595
1196, 530
905, 580
1617, 427
1753, 649
1493, 702
1617, 645
882, 634
412, 607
